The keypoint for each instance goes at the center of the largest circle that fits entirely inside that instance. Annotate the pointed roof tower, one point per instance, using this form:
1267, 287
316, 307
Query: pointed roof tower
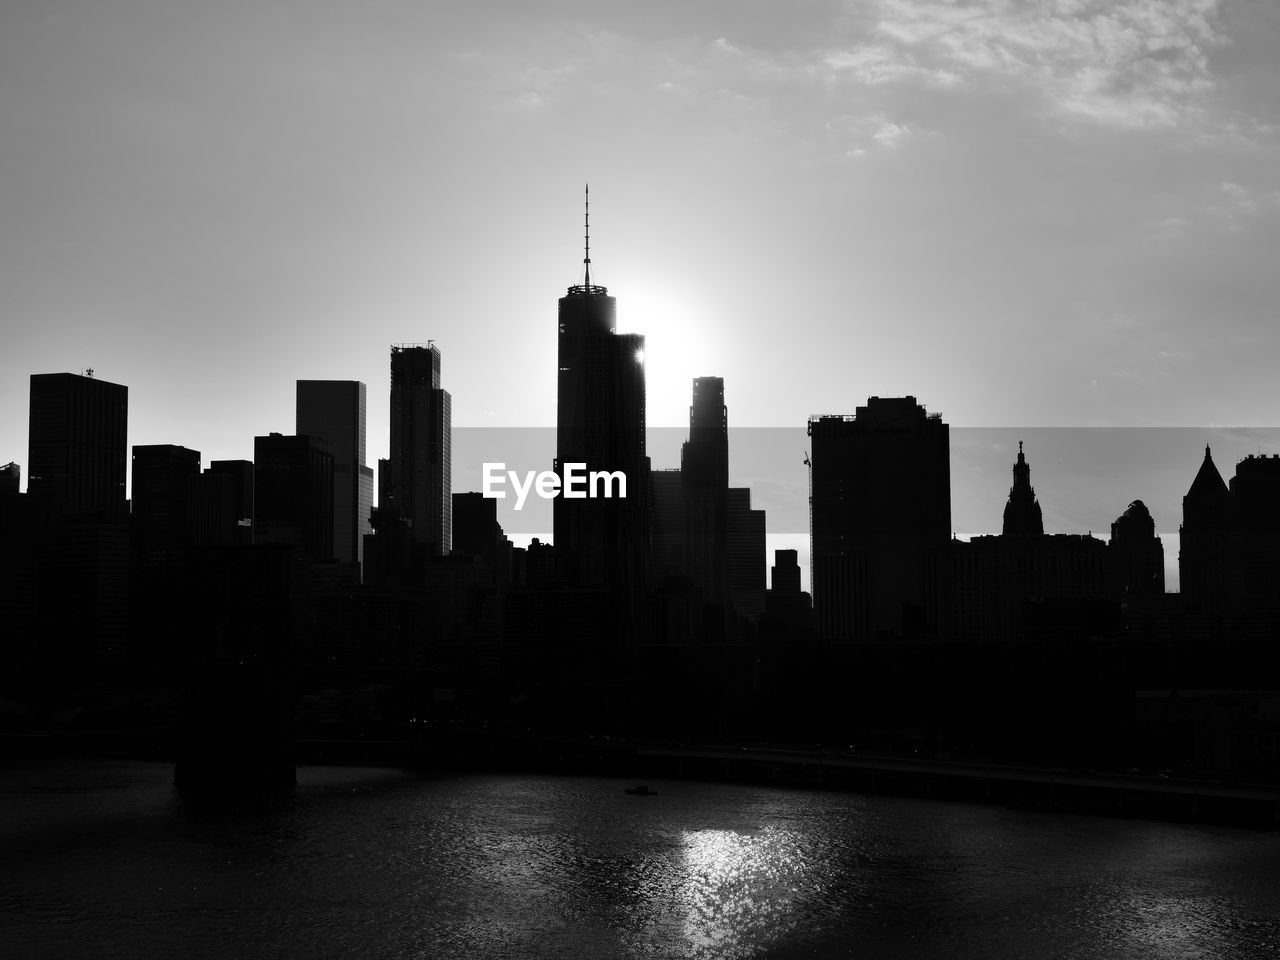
1208, 483
1022, 516
1208, 501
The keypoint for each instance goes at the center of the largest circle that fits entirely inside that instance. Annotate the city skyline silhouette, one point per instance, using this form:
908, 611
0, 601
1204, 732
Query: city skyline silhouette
1239, 443
1094, 473
76, 451
884, 398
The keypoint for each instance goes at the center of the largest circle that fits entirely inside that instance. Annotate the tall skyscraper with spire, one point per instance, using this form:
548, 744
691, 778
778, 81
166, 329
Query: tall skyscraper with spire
600, 422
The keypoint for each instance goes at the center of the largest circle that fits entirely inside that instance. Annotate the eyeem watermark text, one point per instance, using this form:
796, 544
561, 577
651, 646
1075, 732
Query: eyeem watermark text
579, 484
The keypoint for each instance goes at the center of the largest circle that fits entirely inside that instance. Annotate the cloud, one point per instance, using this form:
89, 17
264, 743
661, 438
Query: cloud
889, 133
878, 64
1233, 204
867, 132
1242, 134
1122, 62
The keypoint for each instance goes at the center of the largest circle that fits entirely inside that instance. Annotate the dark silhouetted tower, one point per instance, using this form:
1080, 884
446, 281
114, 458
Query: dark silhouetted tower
669, 539
220, 504
1230, 545
10, 478
77, 461
881, 521
746, 553
419, 488
161, 535
788, 612
600, 422
334, 411
385, 498
1022, 516
704, 530
1024, 583
1206, 538
786, 571
1137, 556
704, 457
704, 471
21, 531
240, 472
77, 449
477, 533
293, 494
162, 473
1255, 492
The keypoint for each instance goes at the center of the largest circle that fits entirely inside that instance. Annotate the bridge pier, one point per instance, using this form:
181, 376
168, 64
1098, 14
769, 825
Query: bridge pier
237, 735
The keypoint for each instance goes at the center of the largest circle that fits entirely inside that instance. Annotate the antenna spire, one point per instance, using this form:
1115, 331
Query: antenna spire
586, 259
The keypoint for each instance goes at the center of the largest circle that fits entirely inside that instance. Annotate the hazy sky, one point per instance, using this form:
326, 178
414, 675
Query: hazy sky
1023, 213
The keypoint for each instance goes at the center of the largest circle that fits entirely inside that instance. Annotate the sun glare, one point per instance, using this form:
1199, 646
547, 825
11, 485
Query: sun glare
676, 349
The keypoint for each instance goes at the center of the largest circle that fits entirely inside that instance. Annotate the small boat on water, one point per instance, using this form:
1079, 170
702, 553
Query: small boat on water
642, 791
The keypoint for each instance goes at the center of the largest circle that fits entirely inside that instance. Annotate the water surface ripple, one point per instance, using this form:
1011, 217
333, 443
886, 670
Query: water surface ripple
107, 860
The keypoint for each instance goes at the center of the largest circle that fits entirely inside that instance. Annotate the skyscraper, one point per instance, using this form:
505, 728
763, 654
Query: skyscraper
1255, 493
1229, 561
77, 461
220, 504
704, 531
419, 488
600, 422
1137, 555
704, 470
668, 542
880, 495
704, 457
77, 453
725, 536
240, 473
1207, 540
293, 494
746, 553
10, 478
334, 411
161, 476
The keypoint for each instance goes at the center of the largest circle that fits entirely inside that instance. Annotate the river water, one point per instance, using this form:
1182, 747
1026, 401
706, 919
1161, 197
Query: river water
105, 859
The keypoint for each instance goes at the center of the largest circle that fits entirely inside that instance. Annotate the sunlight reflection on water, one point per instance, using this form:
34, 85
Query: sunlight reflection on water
106, 861
740, 890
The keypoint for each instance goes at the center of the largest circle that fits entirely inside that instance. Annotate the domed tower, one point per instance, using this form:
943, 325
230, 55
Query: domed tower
1022, 517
